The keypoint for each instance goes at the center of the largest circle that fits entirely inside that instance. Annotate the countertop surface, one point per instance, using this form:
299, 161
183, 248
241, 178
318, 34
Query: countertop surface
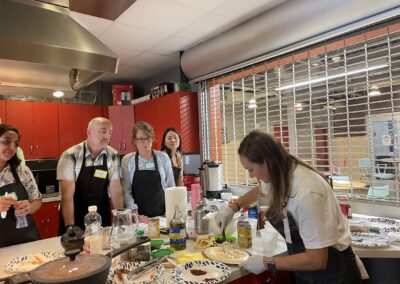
53, 245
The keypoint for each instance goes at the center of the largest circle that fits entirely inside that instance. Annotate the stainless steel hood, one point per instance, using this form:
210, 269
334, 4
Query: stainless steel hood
43, 49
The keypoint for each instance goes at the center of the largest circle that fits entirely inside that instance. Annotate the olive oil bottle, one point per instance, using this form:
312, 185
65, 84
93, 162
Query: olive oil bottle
177, 231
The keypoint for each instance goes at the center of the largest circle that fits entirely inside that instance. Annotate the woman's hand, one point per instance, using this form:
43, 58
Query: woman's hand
22, 208
6, 203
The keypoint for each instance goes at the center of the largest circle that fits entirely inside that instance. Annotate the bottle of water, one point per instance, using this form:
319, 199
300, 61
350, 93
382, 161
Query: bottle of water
93, 231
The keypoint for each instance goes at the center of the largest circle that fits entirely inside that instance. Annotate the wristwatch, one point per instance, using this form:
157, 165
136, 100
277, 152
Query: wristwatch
271, 265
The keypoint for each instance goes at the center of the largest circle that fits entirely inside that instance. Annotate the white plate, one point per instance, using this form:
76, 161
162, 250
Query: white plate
215, 272
231, 256
29, 262
150, 276
369, 240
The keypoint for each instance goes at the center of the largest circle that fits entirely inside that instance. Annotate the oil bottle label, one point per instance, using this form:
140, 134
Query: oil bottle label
177, 236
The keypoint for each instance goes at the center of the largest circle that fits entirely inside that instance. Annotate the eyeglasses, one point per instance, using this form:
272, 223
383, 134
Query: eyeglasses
9, 143
142, 139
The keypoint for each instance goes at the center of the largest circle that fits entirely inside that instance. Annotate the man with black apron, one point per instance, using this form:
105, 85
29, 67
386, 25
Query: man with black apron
147, 190
96, 168
10, 235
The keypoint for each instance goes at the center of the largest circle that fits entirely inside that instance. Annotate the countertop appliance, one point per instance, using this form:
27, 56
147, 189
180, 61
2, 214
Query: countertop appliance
45, 173
211, 179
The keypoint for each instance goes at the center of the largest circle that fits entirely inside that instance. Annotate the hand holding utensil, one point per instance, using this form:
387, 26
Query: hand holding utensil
139, 271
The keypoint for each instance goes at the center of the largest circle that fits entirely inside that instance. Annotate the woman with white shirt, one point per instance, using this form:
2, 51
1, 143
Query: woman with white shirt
302, 208
145, 174
19, 194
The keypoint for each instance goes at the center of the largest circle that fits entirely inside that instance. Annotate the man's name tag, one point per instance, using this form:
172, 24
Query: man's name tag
100, 173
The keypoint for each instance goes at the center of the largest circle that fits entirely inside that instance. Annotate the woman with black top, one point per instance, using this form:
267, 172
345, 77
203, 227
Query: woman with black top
172, 145
19, 194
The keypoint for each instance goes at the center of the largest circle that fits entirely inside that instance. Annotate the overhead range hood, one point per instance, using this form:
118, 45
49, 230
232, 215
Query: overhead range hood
43, 49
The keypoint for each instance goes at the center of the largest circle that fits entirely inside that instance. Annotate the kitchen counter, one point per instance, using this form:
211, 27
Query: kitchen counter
53, 244
50, 197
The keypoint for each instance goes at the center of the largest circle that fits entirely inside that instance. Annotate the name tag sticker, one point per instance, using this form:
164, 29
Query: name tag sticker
100, 173
149, 165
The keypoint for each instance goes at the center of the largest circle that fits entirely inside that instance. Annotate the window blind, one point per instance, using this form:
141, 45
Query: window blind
336, 105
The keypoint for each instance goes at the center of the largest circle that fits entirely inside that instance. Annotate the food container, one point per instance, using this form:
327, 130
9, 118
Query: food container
75, 268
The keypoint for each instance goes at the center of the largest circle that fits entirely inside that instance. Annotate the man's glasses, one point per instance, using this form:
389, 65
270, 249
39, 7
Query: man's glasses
9, 143
142, 139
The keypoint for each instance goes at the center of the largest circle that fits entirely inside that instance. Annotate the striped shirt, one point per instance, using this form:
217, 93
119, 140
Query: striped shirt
70, 164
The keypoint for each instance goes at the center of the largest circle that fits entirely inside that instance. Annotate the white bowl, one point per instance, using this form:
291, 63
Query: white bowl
230, 229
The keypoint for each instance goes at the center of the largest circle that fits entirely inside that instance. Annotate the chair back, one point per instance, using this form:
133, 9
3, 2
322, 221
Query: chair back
381, 168
378, 191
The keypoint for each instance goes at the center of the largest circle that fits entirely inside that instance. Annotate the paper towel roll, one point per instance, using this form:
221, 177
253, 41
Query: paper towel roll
175, 196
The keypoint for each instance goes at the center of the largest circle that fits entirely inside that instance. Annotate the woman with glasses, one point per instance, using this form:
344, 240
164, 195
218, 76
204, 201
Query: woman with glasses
172, 145
19, 194
145, 174
302, 208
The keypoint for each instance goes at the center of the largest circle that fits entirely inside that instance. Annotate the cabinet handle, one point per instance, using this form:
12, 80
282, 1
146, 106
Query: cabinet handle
31, 149
37, 149
124, 146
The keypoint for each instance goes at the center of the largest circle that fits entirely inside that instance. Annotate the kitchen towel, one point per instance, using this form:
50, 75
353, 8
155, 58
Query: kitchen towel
175, 196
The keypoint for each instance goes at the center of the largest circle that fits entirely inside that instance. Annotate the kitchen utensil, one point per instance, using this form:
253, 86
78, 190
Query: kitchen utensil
223, 235
118, 274
75, 268
137, 272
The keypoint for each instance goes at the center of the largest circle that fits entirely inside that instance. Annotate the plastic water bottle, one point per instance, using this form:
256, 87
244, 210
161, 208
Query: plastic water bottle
93, 231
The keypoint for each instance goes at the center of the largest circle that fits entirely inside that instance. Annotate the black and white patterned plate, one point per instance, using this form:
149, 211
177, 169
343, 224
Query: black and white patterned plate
151, 276
211, 272
369, 240
26, 263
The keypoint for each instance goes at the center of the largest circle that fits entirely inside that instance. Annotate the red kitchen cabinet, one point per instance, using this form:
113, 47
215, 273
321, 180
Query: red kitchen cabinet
123, 119
146, 111
69, 124
38, 126
3, 118
87, 113
178, 110
46, 219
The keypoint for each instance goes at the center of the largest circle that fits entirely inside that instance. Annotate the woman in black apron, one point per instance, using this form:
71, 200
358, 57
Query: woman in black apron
172, 145
10, 166
145, 174
303, 209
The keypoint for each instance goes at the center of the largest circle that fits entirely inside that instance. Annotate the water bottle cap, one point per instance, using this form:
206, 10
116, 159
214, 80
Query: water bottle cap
92, 208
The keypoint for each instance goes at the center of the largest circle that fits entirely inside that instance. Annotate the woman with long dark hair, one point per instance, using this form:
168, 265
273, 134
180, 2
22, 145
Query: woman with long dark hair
172, 145
302, 208
19, 194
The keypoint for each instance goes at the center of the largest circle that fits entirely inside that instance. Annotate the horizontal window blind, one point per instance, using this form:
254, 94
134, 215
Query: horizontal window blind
335, 105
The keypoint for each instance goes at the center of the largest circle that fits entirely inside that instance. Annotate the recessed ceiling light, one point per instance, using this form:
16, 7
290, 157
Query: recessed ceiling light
58, 94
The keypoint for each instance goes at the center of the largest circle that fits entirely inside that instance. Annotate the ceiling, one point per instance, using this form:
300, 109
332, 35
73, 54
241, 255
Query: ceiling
149, 35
